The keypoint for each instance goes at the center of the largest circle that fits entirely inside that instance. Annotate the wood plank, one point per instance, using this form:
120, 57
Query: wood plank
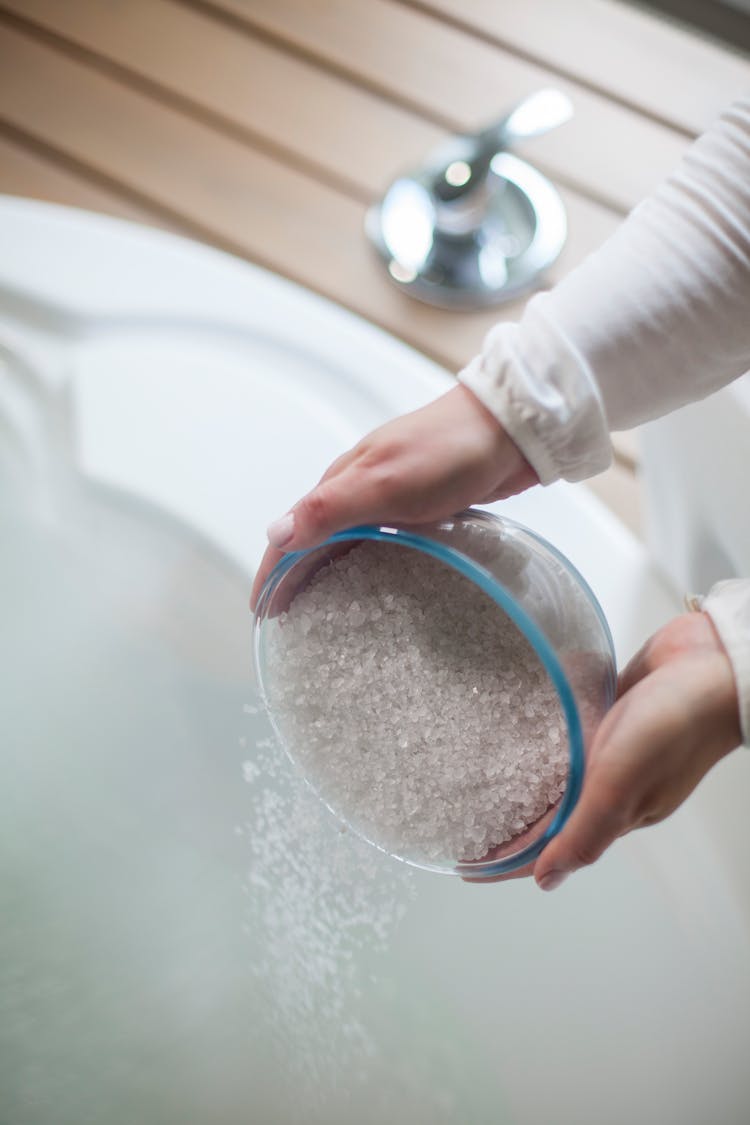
32, 174
237, 197
341, 133
446, 76
647, 61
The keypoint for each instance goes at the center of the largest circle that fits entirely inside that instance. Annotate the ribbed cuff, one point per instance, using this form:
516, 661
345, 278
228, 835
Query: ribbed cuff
541, 392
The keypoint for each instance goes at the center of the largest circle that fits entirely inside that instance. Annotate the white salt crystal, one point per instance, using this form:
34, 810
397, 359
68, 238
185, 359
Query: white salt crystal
446, 676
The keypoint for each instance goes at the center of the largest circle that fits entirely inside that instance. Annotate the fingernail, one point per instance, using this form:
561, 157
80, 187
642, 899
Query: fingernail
281, 531
552, 880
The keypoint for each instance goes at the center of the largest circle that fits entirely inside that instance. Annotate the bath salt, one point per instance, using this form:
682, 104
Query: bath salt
322, 911
415, 706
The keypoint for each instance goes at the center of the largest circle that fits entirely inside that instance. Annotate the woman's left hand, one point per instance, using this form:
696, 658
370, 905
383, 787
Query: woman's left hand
676, 715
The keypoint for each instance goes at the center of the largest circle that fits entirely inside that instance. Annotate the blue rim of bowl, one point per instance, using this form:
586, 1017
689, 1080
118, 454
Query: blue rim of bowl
482, 578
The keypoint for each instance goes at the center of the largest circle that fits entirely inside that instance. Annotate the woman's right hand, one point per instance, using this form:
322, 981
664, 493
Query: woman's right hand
419, 467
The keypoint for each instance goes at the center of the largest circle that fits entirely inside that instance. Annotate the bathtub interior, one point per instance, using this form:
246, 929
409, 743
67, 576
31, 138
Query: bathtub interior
185, 936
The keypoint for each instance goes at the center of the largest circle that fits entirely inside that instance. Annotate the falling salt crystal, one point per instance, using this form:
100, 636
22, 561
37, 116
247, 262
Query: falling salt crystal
250, 771
321, 904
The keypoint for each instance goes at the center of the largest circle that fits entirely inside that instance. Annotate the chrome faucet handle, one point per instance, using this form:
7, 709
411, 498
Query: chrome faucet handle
476, 225
469, 161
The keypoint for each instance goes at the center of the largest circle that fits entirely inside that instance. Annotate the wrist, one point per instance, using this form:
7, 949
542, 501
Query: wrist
510, 469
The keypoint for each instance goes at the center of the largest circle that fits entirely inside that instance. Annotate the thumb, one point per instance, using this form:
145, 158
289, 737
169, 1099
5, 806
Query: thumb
595, 823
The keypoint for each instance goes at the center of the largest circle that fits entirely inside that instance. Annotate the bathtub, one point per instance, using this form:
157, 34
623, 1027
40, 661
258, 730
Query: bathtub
183, 936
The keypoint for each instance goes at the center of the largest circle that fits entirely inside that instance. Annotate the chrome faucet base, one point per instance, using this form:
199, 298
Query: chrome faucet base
476, 225
473, 252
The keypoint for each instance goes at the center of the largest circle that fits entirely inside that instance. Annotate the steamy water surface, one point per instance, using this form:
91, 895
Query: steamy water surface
187, 937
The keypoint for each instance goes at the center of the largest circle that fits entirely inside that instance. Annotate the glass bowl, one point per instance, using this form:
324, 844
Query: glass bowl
537, 594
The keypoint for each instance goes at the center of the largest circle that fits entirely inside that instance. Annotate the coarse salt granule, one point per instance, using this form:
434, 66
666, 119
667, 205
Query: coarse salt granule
415, 706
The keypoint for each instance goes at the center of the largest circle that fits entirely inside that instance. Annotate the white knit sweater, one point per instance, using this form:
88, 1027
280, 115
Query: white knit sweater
657, 317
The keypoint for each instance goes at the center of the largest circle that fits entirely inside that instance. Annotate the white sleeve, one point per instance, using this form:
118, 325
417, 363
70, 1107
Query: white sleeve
657, 317
728, 606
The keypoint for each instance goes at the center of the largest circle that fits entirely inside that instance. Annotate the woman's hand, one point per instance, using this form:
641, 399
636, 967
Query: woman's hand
676, 715
419, 467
